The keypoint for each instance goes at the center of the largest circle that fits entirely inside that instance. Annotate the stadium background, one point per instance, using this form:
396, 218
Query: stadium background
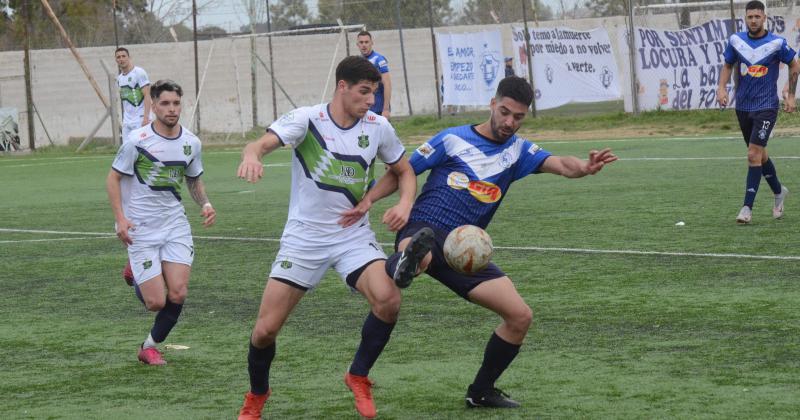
236, 91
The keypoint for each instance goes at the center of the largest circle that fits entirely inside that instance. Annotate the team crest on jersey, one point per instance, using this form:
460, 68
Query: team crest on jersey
147, 264
187, 149
286, 264
425, 150
483, 191
363, 141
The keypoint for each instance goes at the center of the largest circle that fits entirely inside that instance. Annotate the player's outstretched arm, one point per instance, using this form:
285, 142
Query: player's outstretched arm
251, 169
722, 87
115, 198
573, 167
198, 191
789, 103
385, 186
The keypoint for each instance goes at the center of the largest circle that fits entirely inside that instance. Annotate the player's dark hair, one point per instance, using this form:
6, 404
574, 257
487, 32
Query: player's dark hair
515, 88
122, 49
364, 33
754, 5
356, 68
165, 85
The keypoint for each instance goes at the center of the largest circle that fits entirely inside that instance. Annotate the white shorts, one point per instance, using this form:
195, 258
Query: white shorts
127, 128
304, 263
153, 245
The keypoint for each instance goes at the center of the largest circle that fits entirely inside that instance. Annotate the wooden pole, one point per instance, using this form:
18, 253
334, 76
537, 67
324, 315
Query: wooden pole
66, 39
28, 85
435, 63
116, 138
196, 69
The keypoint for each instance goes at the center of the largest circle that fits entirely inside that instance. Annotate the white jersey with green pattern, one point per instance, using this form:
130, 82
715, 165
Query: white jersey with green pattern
155, 167
130, 92
332, 166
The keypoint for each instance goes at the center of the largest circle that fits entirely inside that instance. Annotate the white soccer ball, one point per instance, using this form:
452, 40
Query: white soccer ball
468, 249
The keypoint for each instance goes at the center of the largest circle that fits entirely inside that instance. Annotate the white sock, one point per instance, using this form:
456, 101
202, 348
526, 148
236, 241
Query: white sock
149, 342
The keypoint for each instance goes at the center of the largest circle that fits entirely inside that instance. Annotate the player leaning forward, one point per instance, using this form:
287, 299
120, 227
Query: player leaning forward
759, 54
334, 150
471, 170
144, 187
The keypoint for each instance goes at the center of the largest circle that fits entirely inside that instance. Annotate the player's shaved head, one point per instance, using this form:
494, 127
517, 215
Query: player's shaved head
754, 5
354, 69
515, 88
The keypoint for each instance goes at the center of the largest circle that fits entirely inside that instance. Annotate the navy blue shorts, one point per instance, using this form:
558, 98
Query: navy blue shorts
462, 284
757, 125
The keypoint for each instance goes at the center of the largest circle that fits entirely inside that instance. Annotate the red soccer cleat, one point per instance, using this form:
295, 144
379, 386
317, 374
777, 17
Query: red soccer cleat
362, 391
127, 273
151, 356
253, 404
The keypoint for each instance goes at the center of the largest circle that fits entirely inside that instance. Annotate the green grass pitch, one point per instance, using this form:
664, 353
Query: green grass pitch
635, 317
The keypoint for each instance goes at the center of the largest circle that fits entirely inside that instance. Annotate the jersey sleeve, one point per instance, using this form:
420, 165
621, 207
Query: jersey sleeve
195, 168
787, 54
390, 148
291, 127
143, 79
530, 160
430, 154
126, 157
382, 64
729, 54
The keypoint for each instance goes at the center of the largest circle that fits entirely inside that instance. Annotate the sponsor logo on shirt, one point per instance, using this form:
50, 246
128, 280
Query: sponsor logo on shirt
534, 148
425, 150
483, 191
371, 118
287, 117
757, 71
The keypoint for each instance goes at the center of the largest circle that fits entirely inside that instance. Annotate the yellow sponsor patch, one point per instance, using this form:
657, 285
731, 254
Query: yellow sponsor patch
483, 191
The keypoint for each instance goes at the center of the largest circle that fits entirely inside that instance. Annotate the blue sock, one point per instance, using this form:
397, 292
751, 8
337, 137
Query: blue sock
374, 336
258, 364
496, 358
138, 292
166, 318
753, 179
768, 169
391, 263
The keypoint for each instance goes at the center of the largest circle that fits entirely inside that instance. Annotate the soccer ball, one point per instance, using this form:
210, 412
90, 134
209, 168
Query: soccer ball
468, 249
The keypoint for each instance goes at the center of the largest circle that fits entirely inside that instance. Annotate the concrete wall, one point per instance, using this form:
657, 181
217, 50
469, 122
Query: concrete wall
69, 106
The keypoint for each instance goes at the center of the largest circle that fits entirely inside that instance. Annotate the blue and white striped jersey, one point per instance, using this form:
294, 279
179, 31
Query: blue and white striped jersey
759, 61
382, 65
470, 175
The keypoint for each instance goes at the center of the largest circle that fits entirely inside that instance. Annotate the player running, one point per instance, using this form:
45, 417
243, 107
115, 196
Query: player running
334, 150
472, 168
144, 188
759, 54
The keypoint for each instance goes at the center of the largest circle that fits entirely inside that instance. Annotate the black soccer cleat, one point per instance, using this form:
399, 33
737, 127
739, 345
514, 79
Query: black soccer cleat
489, 398
421, 243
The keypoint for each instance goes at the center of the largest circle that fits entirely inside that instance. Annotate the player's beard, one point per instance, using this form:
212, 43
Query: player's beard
756, 32
499, 135
168, 123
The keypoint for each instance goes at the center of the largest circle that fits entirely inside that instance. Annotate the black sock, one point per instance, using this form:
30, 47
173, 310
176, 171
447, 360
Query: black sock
166, 318
258, 363
771, 175
496, 358
753, 179
391, 263
374, 336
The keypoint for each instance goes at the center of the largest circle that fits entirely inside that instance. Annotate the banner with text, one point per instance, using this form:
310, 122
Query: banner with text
680, 69
472, 66
568, 65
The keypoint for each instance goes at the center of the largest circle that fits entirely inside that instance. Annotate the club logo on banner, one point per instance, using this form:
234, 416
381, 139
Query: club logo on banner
568, 65
471, 67
680, 69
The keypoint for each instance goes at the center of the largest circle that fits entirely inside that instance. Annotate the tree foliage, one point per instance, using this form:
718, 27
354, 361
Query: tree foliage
378, 15
481, 12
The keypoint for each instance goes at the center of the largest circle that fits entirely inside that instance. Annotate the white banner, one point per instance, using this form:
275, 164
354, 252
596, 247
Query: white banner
568, 65
680, 69
472, 66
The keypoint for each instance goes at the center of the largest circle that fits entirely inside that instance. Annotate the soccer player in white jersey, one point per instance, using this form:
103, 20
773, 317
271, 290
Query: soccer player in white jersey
144, 188
759, 54
471, 170
335, 147
134, 92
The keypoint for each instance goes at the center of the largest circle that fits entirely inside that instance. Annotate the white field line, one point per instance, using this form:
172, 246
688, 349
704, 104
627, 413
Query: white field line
504, 248
55, 239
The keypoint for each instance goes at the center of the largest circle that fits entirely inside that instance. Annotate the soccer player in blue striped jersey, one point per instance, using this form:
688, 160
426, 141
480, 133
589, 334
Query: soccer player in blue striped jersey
471, 170
383, 95
759, 54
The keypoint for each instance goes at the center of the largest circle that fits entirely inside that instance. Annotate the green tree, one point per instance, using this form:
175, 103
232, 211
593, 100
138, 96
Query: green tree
481, 12
377, 14
285, 14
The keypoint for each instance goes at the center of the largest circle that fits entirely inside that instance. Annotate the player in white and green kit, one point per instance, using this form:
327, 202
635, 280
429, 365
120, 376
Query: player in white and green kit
144, 188
335, 147
134, 92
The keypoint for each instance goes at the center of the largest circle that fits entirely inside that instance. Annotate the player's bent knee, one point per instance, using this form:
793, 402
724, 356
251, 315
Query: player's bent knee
263, 335
521, 319
387, 307
179, 295
154, 304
